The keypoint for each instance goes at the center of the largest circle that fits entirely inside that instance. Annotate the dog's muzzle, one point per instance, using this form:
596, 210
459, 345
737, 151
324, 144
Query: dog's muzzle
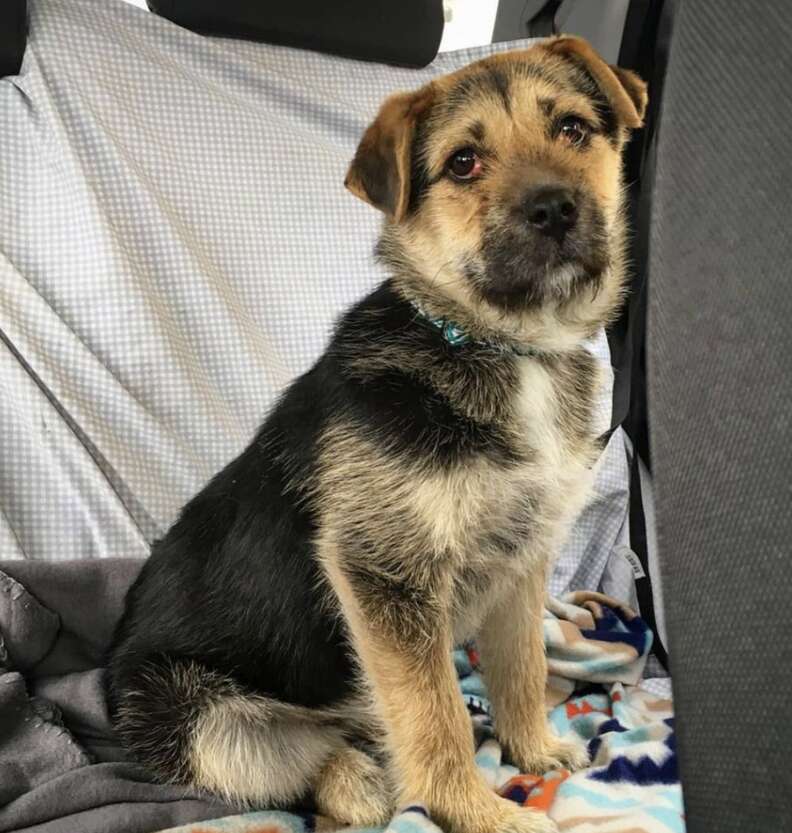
547, 248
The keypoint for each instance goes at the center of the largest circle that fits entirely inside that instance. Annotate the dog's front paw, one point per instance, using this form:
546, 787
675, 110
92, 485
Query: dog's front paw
482, 811
526, 820
551, 753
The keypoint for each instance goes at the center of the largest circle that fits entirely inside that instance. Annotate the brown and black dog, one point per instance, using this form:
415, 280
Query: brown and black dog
291, 634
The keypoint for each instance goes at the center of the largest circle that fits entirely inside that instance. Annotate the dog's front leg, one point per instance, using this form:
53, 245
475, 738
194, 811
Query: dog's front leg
402, 636
511, 643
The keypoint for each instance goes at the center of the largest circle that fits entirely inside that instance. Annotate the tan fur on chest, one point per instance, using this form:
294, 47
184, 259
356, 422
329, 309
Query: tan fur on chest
476, 524
500, 521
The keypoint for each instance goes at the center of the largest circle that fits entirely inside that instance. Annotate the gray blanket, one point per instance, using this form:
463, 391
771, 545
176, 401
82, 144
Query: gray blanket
61, 770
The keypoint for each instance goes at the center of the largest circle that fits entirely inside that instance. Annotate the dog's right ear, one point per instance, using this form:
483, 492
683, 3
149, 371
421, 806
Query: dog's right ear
380, 171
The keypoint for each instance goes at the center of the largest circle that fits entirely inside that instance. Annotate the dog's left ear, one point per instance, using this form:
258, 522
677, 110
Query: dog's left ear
380, 171
625, 91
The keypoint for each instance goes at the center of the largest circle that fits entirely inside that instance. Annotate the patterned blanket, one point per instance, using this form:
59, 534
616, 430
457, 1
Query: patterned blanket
596, 651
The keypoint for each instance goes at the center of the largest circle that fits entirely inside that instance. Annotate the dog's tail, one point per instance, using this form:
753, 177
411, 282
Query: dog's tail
192, 725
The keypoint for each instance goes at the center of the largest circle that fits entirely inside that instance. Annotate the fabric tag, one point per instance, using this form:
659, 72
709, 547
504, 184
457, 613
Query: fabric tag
632, 558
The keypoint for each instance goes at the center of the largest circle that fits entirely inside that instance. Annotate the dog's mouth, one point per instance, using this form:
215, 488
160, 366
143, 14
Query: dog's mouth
520, 270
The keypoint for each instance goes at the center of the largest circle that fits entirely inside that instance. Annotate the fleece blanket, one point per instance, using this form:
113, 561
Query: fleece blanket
596, 651
62, 770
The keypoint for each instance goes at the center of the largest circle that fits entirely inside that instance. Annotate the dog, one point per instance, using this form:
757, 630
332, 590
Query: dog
290, 637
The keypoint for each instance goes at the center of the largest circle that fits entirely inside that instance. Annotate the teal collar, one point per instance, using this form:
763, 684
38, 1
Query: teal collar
456, 336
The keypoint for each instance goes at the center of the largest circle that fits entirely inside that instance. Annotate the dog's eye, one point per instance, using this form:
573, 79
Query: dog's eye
464, 164
573, 130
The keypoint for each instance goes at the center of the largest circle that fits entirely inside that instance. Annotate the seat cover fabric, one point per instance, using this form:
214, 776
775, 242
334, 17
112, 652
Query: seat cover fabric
720, 406
175, 244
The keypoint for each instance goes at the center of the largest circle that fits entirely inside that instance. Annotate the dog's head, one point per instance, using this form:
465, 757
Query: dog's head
501, 186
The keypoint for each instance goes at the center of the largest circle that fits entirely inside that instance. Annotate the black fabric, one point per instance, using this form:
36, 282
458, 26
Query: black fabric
543, 23
640, 546
720, 397
406, 33
513, 18
644, 48
13, 34
525, 19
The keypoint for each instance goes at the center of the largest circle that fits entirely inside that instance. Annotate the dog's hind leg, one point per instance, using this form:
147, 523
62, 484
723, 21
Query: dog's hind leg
190, 724
273, 754
352, 788
259, 751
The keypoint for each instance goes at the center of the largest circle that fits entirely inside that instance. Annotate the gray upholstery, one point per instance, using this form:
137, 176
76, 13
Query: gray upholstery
720, 399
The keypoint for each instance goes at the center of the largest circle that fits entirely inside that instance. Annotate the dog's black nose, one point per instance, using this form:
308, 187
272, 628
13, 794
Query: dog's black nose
551, 210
